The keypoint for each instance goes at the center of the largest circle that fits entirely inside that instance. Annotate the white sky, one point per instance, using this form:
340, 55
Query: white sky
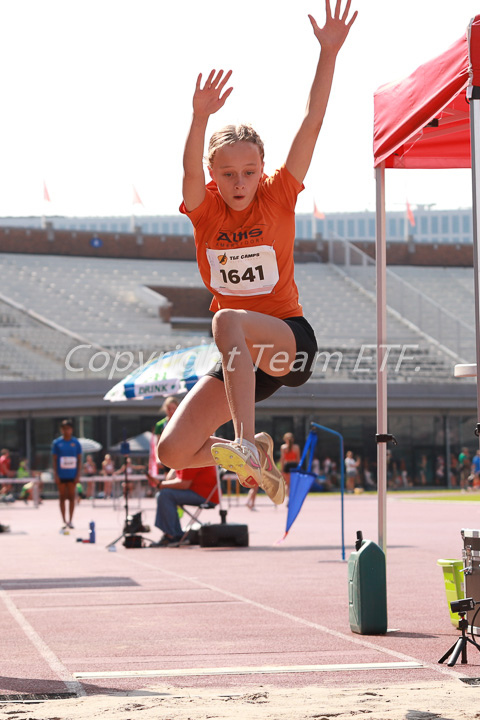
97, 95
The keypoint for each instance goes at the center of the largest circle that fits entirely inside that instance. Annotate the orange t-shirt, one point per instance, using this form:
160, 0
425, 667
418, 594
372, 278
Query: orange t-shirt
290, 456
245, 257
203, 480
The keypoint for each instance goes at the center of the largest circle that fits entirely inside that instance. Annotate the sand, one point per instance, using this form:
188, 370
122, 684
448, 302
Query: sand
447, 700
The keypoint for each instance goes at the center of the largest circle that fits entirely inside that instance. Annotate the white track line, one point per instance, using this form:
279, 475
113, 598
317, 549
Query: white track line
48, 655
261, 670
356, 640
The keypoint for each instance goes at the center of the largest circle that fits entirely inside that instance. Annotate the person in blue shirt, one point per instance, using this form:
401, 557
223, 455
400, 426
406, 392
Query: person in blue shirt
476, 469
67, 464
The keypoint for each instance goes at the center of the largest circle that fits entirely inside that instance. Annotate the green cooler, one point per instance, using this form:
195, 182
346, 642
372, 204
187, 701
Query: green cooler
454, 584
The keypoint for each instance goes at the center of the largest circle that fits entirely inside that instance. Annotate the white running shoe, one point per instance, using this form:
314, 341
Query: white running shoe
272, 480
238, 459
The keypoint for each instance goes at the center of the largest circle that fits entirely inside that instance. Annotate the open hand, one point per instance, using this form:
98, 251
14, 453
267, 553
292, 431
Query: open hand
209, 99
336, 28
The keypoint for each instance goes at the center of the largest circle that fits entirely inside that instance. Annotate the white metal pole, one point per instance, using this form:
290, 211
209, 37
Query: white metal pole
381, 276
474, 93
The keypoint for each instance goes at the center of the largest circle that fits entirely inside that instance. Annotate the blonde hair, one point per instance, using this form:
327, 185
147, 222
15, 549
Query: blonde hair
229, 135
167, 401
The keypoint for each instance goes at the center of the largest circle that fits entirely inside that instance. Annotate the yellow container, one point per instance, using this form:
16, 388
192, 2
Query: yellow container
454, 584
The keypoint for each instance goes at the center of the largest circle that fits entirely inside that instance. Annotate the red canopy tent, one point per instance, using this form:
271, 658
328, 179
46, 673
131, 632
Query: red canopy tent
431, 119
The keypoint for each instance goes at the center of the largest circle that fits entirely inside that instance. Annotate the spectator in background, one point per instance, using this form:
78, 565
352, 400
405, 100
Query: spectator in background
368, 475
108, 469
6, 471
423, 470
475, 470
351, 471
453, 470
404, 473
289, 457
5, 464
127, 470
464, 467
23, 470
80, 492
26, 493
327, 469
440, 470
67, 465
360, 482
90, 470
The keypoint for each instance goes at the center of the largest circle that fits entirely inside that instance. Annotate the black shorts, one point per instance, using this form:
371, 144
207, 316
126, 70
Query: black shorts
64, 481
266, 385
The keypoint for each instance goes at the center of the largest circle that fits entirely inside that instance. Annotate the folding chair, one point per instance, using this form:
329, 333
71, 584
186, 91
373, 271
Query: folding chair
207, 505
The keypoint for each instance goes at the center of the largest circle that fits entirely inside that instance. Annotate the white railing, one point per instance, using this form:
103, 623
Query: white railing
406, 300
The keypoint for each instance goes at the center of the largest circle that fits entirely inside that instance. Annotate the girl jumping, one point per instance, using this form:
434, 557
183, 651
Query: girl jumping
244, 228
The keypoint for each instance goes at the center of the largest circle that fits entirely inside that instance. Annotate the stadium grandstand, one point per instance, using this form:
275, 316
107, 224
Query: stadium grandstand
75, 318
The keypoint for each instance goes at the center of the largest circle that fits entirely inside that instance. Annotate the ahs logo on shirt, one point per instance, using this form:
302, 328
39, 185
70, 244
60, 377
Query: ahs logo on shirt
253, 235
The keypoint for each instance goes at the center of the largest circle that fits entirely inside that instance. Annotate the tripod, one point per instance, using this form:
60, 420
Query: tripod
133, 524
460, 646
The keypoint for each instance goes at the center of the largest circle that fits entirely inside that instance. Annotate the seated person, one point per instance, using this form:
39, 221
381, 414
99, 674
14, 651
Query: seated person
190, 486
27, 491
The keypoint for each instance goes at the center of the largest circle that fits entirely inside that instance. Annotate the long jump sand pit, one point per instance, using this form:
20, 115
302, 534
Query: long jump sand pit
446, 700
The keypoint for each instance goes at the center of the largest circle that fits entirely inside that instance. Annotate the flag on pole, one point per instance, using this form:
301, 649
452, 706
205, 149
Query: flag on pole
301, 481
317, 213
410, 216
46, 196
136, 200
300, 484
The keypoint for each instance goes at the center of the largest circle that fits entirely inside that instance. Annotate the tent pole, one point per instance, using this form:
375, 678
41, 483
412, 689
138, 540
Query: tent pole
381, 275
474, 93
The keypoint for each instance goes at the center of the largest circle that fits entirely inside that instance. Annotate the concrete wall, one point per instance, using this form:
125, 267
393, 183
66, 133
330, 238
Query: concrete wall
49, 241
79, 243
426, 254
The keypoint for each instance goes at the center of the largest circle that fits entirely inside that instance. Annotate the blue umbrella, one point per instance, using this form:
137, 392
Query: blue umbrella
172, 373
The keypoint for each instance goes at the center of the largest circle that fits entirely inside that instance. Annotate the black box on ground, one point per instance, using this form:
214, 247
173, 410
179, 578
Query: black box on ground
133, 541
223, 535
193, 536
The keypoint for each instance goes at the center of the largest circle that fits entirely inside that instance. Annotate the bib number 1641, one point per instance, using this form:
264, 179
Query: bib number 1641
250, 275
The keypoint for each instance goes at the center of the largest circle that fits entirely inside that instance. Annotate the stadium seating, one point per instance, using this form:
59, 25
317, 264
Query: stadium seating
55, 303
451, 287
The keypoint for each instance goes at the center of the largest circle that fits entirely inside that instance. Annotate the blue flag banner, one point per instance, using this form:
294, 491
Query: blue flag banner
301, 481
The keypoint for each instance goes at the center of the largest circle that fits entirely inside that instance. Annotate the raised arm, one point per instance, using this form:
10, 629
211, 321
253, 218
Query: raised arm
331, 38
206, 101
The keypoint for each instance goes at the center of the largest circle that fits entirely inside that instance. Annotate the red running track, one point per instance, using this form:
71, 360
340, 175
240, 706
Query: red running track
69, 608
